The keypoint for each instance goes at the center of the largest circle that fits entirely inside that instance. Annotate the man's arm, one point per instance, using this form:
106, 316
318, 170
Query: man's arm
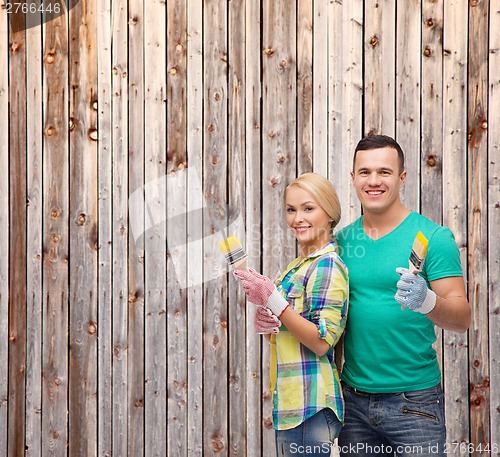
452, 310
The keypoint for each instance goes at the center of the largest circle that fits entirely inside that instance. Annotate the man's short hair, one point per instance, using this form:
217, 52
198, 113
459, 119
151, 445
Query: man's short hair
379, 142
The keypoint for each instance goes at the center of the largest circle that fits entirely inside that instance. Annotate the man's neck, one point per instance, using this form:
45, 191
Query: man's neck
377, 225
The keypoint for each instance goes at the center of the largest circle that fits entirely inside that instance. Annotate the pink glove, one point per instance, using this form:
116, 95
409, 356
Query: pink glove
260, 290
265, 321
257, 287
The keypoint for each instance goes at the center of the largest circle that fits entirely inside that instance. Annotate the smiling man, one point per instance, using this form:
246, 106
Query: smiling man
391, 377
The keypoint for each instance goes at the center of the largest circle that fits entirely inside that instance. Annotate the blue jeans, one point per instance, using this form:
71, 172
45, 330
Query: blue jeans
406, 424
314, 437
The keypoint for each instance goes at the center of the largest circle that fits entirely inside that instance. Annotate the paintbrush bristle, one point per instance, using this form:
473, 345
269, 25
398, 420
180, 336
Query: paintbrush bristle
232, 249
418, 252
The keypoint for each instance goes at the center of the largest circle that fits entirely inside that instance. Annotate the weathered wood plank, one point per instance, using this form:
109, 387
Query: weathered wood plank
83, 231
55, 239
136, 270
432, 123
279, 152
155, 242
105, 212
494, 218
176, 228
34, 242
17, 237
380, 64
237, 189
346, 123
215, 404
320, 88
454, 205
306, 92
119, 107
195, 132
408, 96
477, 112
253, 124
4, 231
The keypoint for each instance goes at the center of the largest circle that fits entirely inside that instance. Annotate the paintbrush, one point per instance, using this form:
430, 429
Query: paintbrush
233, 251
418, 253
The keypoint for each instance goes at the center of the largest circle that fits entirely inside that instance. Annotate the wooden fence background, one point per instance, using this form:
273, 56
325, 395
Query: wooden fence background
102, 351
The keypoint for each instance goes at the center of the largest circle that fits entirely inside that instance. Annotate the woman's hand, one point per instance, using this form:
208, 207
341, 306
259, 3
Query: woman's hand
261, 291
265, 322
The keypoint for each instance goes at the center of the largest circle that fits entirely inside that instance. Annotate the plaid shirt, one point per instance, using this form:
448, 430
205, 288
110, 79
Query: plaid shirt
302, 383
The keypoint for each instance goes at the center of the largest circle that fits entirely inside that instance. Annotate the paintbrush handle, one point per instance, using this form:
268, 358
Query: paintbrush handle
241, 265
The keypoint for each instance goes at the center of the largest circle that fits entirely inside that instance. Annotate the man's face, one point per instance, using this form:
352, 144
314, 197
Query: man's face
377, 179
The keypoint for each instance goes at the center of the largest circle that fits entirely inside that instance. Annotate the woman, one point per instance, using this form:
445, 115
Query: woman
311, 301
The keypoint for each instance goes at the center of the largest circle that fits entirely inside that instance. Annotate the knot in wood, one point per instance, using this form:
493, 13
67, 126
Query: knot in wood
139, 403
477, 363
95, 105
271, 134
173, 71
473, 3
82, 219
429, 22
274, 181
484, 125
281, 158
211, 128
215, 160
268, 52
50, 131
14, 46
427, 52
217, 96
431, 160
93, 134
133, 21
72, 124
374, 40
283, 63
56, 238
218, 443
92, 328
50, 57
223, 57
179, 48
55, 213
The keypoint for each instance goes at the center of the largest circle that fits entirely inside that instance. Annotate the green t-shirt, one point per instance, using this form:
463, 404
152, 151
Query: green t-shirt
388, 349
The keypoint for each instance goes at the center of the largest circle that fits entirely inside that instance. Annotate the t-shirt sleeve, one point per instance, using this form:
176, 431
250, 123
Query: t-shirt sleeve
327, 292
443, 256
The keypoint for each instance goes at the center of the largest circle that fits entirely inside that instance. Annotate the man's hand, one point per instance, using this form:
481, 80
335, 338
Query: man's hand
260, 290
413, 292
265, 321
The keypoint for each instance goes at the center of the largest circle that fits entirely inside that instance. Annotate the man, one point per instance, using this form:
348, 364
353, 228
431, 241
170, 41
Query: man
391, 378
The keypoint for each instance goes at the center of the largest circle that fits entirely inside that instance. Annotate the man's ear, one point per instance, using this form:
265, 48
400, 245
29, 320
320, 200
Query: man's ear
352, 178
402, 178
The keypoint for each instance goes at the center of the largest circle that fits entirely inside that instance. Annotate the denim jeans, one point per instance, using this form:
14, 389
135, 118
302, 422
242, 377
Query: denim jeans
314, 437
406, 424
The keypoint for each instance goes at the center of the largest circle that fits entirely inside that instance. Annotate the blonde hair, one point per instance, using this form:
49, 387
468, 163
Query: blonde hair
323, 192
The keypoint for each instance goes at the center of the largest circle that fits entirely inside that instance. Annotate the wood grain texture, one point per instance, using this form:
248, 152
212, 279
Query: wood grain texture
17, 238
477, 121
55, 239
83, 231
215, 350
105, 237
408, 39
253, 160
455, 362
155, 93
34, 216
494, 217
136, 253
194, 143
178, 182
4, 232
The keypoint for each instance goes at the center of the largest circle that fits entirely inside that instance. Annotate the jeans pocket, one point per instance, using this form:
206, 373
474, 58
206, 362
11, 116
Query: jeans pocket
333, 423
426, 404
429, 396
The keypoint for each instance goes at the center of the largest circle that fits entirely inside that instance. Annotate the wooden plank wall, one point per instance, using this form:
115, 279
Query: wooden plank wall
134, 133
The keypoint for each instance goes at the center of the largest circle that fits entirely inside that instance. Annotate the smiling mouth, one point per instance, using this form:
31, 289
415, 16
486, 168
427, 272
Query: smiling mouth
301, 229
374, 192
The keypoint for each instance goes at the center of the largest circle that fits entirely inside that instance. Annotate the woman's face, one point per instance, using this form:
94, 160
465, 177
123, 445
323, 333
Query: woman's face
308, 221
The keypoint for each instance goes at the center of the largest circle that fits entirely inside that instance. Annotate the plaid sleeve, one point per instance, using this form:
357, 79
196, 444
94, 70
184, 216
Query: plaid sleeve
327, 292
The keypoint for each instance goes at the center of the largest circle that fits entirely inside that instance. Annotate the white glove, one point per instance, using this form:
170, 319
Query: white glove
413, 292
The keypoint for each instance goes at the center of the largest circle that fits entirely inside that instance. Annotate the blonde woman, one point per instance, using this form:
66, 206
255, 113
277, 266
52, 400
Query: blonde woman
310, 299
